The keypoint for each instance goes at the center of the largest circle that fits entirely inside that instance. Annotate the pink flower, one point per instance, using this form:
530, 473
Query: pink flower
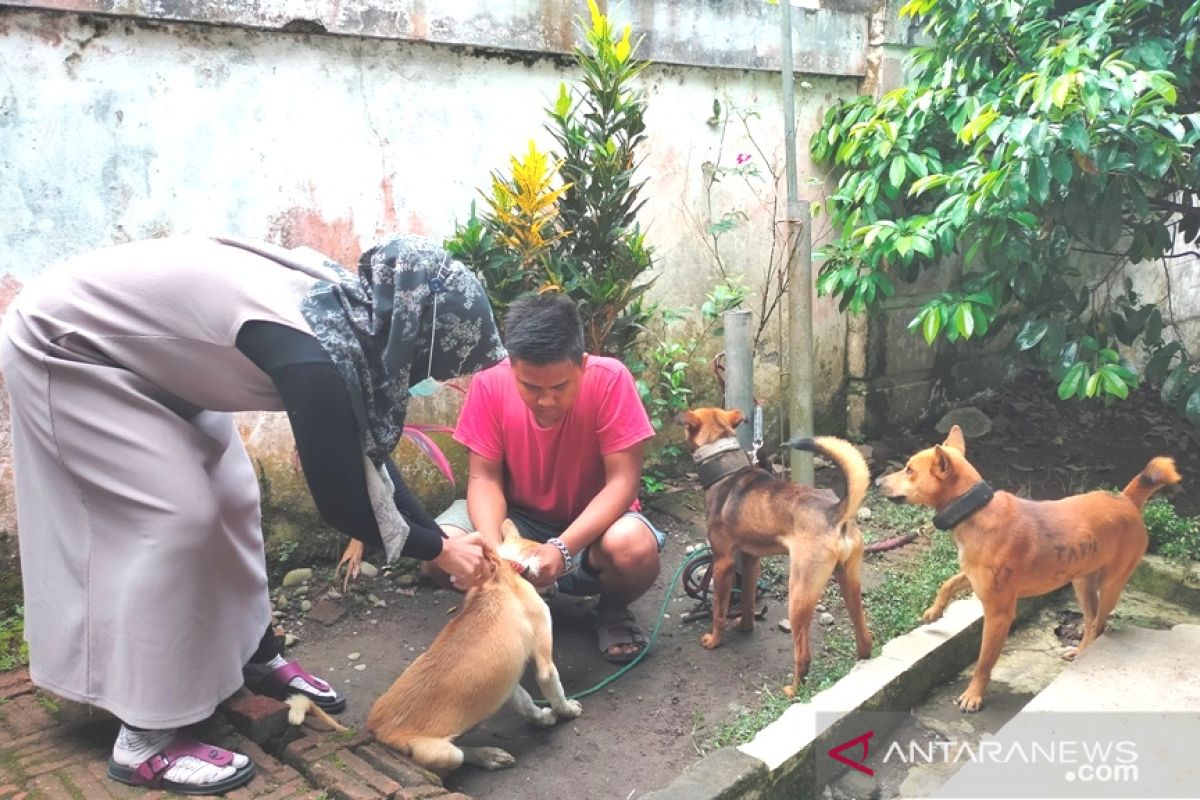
742, 158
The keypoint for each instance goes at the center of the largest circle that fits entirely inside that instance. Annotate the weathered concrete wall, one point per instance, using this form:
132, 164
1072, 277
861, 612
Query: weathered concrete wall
328, 124
1174, 285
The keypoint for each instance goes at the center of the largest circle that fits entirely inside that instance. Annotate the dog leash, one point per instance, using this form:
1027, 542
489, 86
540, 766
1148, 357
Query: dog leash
662, 611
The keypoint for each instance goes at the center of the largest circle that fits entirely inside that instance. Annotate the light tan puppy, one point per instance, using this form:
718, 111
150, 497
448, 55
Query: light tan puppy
473, 666
1009, 547
755, 514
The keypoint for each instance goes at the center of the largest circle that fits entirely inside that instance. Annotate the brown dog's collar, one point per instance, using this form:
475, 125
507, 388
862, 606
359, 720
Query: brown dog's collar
963, 506
719, 459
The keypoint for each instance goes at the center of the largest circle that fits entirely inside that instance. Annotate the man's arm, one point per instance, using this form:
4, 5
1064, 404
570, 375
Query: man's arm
622, 478
485, 496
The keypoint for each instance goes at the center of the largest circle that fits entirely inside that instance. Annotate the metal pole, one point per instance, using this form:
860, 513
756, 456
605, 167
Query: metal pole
739, 371
799, 259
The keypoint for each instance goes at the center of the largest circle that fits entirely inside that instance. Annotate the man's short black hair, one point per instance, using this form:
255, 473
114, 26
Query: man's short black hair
544, 329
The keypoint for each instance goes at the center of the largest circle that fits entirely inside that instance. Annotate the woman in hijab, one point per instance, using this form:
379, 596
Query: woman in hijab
139, 523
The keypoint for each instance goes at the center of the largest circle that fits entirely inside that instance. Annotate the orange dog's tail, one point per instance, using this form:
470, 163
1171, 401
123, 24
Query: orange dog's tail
1158, 473
852, 465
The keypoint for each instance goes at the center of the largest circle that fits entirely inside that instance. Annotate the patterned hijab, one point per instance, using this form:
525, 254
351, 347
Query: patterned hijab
410, 313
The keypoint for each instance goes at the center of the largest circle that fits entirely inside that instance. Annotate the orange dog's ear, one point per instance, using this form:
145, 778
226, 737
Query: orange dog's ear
687, 418
942, 465
955, 439
734, 418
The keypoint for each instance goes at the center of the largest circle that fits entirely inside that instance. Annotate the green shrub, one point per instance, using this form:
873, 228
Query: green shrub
14, 650
1171, 536
566, 221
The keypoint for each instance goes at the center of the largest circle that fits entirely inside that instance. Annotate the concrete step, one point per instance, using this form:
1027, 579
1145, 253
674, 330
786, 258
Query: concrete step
1138, 683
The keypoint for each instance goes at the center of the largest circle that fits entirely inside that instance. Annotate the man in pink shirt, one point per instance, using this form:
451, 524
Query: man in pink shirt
555, 438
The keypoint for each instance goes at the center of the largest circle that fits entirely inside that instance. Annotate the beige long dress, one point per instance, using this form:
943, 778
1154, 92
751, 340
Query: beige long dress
138, 508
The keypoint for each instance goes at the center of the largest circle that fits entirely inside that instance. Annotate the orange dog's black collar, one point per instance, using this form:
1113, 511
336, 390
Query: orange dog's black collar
963, 506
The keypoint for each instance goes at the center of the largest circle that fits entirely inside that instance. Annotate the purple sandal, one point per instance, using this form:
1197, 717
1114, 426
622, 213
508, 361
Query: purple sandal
150, 772
275, 684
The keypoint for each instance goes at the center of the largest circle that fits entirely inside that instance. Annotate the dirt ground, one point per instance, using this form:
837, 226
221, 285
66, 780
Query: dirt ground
639, 733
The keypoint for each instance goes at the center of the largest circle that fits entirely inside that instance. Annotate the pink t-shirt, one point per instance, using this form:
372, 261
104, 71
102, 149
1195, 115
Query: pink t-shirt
553, 473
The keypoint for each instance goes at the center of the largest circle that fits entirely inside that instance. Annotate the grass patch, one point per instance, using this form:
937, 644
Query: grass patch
893, 608
48, 702
14, 650
890, 519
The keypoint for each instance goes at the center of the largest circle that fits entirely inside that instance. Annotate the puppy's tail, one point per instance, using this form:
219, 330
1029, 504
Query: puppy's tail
301, 705
1158, 473
852, 465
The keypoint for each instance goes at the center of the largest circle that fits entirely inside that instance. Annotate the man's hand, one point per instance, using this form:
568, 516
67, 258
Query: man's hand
549, 563
462, 557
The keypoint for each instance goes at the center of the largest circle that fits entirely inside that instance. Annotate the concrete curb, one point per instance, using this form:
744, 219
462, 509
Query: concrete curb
1175, 583
780, 760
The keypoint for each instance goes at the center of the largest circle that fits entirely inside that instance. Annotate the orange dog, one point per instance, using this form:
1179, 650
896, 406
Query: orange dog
1010, 548
473, 666
753, 513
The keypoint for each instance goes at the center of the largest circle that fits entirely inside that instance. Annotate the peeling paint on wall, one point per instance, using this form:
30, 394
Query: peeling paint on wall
296, 226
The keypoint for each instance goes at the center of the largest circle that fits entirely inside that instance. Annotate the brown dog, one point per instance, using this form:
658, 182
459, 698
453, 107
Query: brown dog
753, 513
1010, 548
472, 667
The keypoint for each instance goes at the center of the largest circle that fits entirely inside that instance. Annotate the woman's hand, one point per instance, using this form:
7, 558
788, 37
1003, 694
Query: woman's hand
351, 560
462, 557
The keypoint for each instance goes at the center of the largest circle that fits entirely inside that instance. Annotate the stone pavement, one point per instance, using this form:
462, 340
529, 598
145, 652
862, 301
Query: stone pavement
57, 750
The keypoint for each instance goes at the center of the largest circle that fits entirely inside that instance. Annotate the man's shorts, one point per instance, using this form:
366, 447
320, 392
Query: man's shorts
580, 582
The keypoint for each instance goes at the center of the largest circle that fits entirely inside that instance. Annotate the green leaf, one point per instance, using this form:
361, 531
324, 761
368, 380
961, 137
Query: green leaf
964, 320
1108, 221
1152, 333
1032, 332
563, 104
1192, 409
1052, 342
1092, 386
931, 325
1062, 168
922, 185
1173, 386
897, 171
1061, 88
1039, 180
1114, 385
1070, 384
1157, 366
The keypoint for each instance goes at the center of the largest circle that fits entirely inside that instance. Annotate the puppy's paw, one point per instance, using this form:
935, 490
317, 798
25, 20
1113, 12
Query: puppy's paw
789, 692
970, 700
492, 758
544, 717
571, 710
1070, 654
746, 624
932, 614
710, 641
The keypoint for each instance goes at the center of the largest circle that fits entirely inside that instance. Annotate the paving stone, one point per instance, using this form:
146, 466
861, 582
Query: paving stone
259, 718
367, 773
330, 774
327, 611
15, 683
25, 714
396, 766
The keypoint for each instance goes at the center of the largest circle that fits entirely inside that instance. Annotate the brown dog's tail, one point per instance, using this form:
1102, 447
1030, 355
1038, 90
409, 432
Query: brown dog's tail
852, 465
1158, 473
